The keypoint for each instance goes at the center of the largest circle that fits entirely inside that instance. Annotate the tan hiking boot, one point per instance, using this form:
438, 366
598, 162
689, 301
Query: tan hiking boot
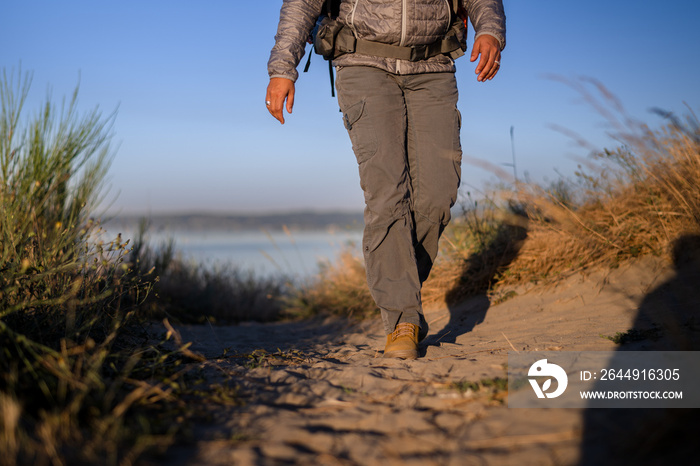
402, 342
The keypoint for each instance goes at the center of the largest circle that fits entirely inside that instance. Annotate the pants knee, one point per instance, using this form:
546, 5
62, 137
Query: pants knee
436, 210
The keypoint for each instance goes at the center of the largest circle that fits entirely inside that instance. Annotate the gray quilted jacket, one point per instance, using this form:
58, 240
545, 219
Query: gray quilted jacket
396, 22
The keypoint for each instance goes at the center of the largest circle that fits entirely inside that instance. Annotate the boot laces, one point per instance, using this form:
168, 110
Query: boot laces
403, 329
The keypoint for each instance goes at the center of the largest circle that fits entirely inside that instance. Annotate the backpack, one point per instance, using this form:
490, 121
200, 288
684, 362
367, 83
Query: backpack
331, 39
330, 11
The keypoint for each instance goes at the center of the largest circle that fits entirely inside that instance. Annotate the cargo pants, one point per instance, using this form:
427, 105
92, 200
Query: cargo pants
405, 134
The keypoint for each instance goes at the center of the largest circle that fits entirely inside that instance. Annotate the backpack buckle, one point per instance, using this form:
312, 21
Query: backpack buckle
419, 52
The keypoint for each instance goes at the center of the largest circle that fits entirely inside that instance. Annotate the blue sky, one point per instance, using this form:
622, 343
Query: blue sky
189, 79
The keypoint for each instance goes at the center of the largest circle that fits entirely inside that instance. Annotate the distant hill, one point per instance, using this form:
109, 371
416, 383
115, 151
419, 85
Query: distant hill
302, 220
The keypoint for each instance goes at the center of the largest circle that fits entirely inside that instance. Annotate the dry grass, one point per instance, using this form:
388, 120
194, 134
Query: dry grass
633, 201
476, 251
339, 288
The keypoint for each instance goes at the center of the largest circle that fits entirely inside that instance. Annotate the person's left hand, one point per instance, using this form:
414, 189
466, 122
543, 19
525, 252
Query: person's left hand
490, 50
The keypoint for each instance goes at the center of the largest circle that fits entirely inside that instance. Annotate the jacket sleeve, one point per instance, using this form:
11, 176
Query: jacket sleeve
297, 19
487, 17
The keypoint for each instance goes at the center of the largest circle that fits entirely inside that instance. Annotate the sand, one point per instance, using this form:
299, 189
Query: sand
319, 392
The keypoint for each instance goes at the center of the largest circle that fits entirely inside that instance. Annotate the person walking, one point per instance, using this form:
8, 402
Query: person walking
396, 86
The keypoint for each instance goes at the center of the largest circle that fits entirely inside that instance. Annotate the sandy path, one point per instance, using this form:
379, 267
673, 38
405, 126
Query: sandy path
323, 395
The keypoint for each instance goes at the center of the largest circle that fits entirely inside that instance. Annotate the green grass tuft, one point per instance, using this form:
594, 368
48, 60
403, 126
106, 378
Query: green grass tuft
81, 382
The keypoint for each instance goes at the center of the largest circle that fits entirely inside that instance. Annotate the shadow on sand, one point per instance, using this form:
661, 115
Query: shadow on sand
668, 319
467, 300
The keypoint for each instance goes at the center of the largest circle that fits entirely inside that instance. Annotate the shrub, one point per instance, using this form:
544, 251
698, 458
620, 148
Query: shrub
66, 364
191, 292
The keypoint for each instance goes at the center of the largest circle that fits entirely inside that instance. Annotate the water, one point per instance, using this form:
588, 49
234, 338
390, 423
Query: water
296, 254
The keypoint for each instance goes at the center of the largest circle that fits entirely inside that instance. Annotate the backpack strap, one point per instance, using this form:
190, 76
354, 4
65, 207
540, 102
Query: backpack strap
330, 12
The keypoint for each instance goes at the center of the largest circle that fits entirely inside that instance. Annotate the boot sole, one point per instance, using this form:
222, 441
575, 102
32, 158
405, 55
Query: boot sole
402, 354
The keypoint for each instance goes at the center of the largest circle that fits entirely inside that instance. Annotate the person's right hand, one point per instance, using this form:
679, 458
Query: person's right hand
278, 91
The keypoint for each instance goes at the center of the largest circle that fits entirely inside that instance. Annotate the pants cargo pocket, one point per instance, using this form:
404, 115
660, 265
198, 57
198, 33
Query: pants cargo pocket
362, 133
